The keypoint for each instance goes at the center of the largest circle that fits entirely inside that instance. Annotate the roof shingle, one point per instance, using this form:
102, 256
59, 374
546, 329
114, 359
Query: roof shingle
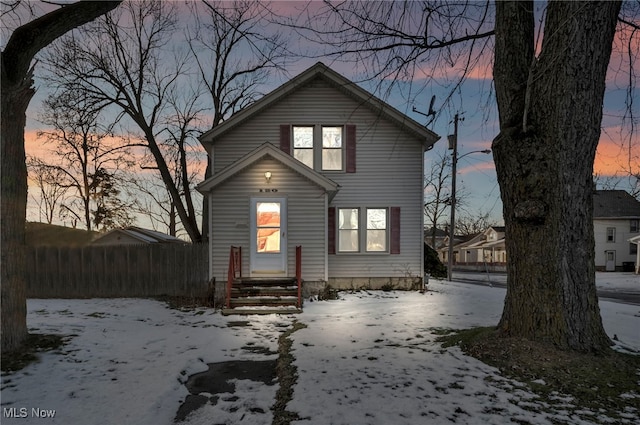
615, 204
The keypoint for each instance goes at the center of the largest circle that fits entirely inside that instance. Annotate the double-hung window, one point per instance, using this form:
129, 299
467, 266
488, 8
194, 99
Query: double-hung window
611, 234
363, 230
303, 145
349, 229
374, 224
331, 148
377, 230
319, 147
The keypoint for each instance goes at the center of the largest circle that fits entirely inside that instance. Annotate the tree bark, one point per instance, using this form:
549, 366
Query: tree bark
16, 92
550, 110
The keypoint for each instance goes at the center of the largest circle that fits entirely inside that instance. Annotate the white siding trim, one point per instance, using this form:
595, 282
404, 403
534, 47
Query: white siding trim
326, 238
210, 219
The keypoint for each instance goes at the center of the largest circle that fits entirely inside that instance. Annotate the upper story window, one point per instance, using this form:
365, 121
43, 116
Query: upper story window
318, 144
321, 147
332, 148
611, 234
303, 145
635, 226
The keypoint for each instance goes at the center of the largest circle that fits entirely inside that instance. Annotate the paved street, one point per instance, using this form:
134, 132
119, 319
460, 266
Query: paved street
627, 296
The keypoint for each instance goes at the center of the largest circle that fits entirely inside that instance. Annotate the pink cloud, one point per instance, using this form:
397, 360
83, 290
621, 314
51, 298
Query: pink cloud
477, 167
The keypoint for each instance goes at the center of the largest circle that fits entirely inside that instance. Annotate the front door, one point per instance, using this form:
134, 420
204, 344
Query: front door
268, 237
610, 258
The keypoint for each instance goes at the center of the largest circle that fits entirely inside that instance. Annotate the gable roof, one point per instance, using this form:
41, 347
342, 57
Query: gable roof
143, 235
269, 150
615, 204
320, 70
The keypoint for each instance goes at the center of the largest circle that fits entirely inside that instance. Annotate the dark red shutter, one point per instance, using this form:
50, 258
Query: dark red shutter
351, 148
331, 229
285, 138
394, 222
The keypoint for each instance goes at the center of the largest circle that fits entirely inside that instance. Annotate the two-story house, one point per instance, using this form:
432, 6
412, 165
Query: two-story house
322, 164
485, 249
616, 220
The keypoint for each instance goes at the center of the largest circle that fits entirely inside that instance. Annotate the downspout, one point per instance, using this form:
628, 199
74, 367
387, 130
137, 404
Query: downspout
210, 218
326, 237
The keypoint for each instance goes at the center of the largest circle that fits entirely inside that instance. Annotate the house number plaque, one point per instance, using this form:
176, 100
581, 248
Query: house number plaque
268, 190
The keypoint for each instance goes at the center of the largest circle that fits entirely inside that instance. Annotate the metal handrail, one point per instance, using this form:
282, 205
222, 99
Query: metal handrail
234, 271
299, 274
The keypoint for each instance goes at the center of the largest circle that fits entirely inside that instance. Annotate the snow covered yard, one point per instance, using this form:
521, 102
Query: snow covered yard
369, 358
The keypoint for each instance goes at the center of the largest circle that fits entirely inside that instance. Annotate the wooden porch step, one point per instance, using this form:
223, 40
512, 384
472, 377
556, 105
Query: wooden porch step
263, 301
260, 311
263, 295
265, 282
260, 291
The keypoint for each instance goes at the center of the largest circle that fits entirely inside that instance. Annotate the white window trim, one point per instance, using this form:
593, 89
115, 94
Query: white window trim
338, 230
387, 232
318, 149
613, 234
362, 230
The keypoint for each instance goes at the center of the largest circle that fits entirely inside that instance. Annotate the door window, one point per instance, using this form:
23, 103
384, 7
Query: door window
268, 227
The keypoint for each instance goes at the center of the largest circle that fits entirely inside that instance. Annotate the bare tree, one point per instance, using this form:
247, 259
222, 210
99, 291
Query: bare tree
437, 192
87, 159
549, 91
50, 193
474, 224
122, 62
16, 91
236, 52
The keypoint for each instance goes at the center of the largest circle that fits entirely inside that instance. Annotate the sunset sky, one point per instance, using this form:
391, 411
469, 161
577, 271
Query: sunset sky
617, 150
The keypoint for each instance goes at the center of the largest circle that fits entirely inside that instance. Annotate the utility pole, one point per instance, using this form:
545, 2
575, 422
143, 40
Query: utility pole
453, 144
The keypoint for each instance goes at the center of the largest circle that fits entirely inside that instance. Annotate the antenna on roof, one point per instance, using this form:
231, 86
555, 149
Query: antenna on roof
431, 113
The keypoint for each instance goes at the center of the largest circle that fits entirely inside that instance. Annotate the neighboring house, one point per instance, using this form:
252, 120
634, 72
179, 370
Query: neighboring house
636, 240
616, 220
135, 236
483, 249
322, 164
616, 223
436, 235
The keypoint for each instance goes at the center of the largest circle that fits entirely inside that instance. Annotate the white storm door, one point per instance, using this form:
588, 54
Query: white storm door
268, 237
610, 258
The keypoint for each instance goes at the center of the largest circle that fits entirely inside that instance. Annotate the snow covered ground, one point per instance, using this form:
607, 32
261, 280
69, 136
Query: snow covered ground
369, 358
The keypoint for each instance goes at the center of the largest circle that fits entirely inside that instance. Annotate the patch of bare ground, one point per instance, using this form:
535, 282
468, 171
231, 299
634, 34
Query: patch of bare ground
605, 384
28, 353
287, 374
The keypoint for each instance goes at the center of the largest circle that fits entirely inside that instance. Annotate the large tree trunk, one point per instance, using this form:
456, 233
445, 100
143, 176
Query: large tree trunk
550, 114
16, 92
13, 199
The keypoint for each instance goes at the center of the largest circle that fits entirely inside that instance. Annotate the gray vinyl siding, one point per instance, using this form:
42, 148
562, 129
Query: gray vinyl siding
305, 218
388, 172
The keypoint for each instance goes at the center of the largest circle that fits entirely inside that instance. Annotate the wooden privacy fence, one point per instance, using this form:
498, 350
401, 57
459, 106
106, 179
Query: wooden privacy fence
117, 271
